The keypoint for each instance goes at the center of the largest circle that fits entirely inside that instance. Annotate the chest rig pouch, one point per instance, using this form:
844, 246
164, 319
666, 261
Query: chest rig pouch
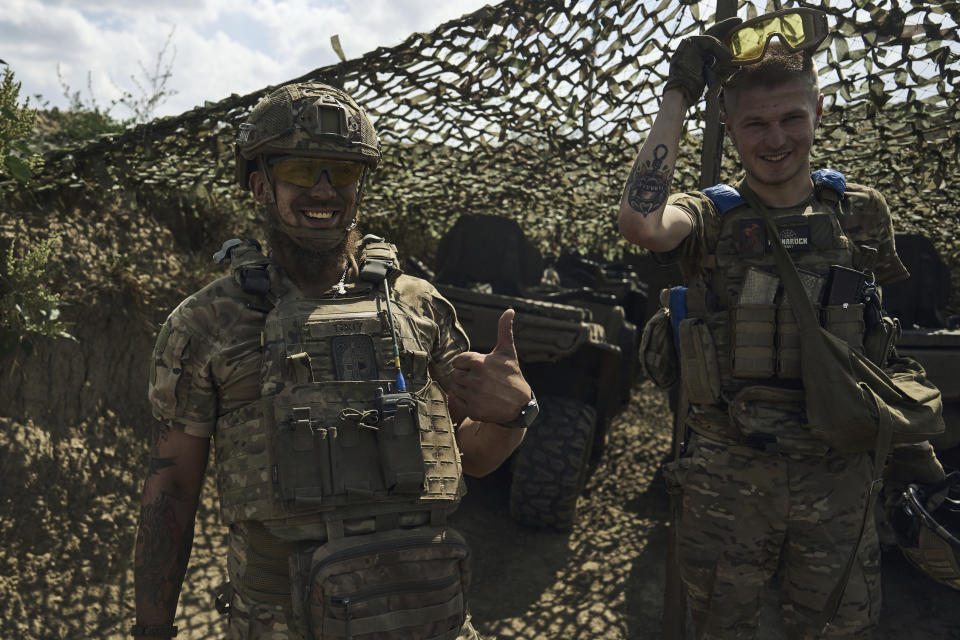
333, 439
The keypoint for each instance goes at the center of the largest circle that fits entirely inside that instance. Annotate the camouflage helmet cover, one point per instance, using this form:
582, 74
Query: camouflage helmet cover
306, 119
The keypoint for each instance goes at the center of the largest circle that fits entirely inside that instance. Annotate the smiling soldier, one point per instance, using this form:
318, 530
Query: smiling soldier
761, 494
342, 400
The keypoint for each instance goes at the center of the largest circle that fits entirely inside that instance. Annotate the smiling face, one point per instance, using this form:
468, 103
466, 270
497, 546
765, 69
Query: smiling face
773, 131
321, 206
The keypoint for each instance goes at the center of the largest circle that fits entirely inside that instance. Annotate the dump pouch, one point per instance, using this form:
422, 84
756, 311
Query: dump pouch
848, 395
698, 361
754, 326
658, 351
403, 583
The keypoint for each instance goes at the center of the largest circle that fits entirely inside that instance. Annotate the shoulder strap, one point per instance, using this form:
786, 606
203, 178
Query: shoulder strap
378, 259
247, 264
829, 185
724, 197
806, 318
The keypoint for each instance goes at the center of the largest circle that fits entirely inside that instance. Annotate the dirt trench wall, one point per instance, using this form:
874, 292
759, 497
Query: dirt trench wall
75, 425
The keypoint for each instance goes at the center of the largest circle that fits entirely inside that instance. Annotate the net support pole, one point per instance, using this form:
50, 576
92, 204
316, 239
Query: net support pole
712, 149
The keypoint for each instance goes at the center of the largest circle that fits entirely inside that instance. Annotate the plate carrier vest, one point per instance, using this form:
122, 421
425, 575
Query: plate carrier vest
332, 438
736, 357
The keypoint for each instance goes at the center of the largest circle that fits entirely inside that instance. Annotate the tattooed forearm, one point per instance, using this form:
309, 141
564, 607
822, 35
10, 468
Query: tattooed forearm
162, 552
161, 432
649, 183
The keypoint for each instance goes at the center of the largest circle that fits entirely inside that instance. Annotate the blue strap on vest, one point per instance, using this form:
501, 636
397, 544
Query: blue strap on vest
829, 179
678, 310
725, 197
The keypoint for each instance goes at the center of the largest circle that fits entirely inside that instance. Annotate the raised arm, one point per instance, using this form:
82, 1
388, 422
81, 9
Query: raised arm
645, 219
167, 514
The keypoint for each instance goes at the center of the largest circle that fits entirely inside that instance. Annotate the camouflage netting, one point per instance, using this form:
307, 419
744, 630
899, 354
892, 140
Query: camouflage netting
534, 109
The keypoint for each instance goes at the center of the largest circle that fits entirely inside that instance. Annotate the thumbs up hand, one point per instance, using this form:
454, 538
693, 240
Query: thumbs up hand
490, 387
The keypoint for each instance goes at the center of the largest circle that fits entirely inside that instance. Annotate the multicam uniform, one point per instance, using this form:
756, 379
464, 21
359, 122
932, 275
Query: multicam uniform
760, 495
213, 377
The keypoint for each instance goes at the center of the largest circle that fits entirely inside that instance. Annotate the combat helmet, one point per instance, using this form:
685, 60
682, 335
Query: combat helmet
927, 526
307, 119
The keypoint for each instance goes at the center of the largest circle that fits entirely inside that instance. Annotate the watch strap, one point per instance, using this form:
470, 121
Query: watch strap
527, 414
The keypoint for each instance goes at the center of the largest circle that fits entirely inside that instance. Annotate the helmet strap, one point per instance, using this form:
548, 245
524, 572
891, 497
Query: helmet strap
271, 186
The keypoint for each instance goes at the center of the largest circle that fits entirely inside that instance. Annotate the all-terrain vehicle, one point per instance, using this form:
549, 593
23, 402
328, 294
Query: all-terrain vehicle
576, 347
929, 335
925, 521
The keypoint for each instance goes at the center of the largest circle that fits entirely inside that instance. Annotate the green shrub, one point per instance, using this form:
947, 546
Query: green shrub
16, 123
28, 307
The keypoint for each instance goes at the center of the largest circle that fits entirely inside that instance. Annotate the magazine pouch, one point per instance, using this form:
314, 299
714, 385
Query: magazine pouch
754, 326
846, 322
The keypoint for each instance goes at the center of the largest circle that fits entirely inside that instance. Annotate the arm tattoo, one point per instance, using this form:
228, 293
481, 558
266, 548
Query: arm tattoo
157, 464
649, 182
162, 553
161, 431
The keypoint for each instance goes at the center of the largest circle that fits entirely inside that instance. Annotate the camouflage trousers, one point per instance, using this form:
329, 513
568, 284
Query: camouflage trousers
748, 515
252, 621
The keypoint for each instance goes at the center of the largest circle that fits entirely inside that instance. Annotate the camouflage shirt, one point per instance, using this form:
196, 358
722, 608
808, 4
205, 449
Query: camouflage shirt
206, 362
864, 218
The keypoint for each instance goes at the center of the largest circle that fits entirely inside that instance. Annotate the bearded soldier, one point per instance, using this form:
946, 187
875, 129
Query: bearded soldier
760, 493
342, 400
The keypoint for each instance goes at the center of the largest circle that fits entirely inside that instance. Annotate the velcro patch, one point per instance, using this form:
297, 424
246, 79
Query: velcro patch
752, 240
794, 236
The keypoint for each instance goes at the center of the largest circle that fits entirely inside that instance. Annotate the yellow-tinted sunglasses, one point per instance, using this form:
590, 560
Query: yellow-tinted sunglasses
304, 172
798, 29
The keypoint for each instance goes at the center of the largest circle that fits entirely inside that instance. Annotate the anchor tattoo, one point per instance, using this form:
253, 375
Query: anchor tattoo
647, 187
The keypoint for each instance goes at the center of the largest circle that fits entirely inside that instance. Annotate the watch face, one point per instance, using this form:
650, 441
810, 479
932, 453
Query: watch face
526, 417
530, 412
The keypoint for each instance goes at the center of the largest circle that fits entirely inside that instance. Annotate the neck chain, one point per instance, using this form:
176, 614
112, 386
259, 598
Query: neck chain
340, 288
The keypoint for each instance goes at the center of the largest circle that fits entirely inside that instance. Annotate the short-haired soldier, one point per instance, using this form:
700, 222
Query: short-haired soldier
760, 494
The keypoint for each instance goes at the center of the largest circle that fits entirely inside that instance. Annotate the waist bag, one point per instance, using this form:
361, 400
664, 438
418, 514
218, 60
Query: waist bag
849, 400
402, 583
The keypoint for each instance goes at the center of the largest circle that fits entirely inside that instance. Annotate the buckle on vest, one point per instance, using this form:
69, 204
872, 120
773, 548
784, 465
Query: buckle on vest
765, 442
255, 280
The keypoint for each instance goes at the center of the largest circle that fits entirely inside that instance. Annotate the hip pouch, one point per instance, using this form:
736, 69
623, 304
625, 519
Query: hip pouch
408, 583
658, 353
699, 368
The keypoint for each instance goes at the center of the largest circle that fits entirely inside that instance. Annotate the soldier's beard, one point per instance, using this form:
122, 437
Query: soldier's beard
299, 259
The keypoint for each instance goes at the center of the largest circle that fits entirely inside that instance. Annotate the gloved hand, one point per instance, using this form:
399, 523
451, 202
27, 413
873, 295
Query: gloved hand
699, 59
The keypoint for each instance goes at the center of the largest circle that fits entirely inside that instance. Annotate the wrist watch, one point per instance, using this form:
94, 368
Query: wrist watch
528, 414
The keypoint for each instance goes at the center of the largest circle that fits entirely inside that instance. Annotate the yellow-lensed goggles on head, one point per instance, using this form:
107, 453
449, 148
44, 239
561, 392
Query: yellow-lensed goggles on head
798, 30
304, 172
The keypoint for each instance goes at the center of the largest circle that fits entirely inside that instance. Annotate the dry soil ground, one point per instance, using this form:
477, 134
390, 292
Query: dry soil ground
69, 513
